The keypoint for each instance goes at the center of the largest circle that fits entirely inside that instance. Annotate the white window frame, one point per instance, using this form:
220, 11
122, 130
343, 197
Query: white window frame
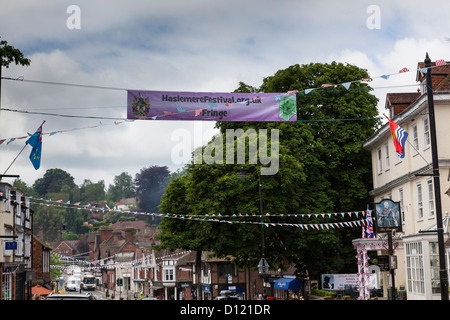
379, 161
45, 261
402, 209
169, 274
7, 286
415, 268
434, 267
8, 200
430, 191
20, 249
386, 156
415, 138
419, 201
426, 133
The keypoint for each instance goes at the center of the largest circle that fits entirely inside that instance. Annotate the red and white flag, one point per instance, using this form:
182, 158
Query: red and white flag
440, 62
403, 70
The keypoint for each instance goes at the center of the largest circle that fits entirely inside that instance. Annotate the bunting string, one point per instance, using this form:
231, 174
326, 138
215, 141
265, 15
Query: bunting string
345, 85
219, 218
10, 140
146, 261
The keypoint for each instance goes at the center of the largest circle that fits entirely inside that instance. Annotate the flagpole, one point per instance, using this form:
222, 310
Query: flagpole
19, 153
13, 161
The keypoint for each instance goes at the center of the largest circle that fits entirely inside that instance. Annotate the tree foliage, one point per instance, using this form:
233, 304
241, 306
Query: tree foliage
123, 187
58, 185
322, 168
9, 54
150, 183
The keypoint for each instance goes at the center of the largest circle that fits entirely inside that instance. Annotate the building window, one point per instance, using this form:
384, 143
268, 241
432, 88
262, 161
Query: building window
414, 268
168, 275
226, 269
419, 201
430, 198
402, 209
8, 200
415, 138
434, 268
386, 149
426, 133
45, 261
7, 286
380, 161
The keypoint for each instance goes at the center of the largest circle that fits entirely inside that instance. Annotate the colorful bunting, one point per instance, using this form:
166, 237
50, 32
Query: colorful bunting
59, 131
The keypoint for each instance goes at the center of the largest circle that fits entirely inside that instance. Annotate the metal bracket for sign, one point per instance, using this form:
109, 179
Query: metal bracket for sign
8, 237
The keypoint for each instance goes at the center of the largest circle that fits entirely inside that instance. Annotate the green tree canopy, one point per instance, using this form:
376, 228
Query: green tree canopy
9, 54
52, 181
92, 191
150, 183
322, 168
123, 187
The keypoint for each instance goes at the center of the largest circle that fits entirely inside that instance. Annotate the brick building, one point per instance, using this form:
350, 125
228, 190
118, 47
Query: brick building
41, 261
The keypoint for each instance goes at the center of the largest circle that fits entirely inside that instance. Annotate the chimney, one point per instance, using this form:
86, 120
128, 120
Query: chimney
116, 235
105, 233
129, 234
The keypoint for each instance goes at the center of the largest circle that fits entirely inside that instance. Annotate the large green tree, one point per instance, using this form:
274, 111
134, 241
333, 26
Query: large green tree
322, 168
150, 183
52, 181
123, 187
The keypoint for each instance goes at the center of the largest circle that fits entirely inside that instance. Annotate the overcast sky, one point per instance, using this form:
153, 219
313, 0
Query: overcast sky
201, 46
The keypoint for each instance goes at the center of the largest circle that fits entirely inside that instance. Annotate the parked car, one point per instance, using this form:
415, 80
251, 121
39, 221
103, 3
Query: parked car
226, 295
70, 296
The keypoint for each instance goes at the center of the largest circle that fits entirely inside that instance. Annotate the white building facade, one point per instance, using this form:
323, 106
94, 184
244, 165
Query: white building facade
408, 180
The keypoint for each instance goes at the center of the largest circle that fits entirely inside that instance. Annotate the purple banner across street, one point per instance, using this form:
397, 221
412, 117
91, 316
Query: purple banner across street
169, 105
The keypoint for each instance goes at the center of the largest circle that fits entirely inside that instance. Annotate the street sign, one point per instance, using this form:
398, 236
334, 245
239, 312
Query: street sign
10, 245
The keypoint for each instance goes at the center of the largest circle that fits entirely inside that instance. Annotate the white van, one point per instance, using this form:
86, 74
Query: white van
73, 283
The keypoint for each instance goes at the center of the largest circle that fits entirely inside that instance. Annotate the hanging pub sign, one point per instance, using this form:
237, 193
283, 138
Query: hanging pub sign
211, 106
387, 216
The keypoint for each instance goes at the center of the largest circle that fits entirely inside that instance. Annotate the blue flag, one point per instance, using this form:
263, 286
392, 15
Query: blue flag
35, 141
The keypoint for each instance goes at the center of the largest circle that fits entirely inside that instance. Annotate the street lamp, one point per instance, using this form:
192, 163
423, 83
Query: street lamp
263, 266
437, 191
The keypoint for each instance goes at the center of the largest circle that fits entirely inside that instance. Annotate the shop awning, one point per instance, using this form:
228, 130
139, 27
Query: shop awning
234, 288
40, 290
287, 284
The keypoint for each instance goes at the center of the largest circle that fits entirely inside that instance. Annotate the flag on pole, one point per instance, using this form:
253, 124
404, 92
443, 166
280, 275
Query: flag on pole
35, 141
399, 137
370, 233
